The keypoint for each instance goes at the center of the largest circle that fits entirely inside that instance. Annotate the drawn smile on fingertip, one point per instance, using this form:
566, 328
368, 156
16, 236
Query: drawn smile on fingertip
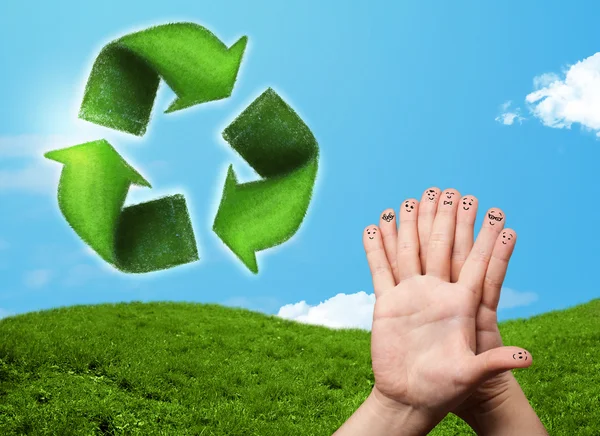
388, 217
431, 193
374, 230
504, 237
409, 205
521, 354
493, 217
470, 203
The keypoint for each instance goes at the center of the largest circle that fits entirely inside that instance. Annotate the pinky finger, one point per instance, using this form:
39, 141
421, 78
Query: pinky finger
381, 271
494, 277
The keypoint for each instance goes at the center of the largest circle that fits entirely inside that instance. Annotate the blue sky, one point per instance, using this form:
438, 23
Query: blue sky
500, 100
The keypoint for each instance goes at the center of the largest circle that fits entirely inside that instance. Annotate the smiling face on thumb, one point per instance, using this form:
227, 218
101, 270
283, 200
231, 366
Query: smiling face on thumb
497, 360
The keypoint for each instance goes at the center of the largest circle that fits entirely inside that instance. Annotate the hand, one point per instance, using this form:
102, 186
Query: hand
423, 339
489, 394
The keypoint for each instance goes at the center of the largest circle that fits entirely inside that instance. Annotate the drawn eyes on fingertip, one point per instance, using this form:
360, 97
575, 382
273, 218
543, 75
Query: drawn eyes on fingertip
448, 198
409, 205
494, 217
388, 216
467, 202
521, 355
507, 236
371, 232
431, 194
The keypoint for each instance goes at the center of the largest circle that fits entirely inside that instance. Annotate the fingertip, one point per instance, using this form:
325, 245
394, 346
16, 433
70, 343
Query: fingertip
431, 194
453, 191
469, 202
449, 199
371, 227
522, 356
371, 233
409, 208
494, 218
510, 234
467, 210
387, 216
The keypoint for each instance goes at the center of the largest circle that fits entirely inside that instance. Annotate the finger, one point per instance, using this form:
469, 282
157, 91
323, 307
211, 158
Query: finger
409, 263
441, 239
427, 211
473, 272
490, 363
463, 239
494, 277
389, 233
381, 272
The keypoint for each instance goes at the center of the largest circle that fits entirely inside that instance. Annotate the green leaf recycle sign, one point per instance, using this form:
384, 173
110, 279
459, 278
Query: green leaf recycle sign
158, 234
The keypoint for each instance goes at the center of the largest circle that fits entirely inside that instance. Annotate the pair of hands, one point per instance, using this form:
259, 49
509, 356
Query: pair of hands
435, 343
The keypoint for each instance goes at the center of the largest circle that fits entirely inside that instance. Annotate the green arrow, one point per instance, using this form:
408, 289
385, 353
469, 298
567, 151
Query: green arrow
140, 238
280, 147
122, 86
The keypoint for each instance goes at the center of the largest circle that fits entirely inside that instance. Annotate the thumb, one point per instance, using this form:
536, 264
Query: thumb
497, 360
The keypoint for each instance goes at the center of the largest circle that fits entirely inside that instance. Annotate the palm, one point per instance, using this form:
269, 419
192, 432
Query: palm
446, 318
434, 323
487, 337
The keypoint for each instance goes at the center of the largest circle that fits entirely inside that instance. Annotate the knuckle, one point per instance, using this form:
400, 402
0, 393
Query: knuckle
404, 247
493, 282
439, 239
480, 255
379, 269
459, 254
445, 211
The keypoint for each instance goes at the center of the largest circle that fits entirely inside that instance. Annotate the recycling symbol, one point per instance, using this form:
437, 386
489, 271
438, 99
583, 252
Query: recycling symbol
158, 234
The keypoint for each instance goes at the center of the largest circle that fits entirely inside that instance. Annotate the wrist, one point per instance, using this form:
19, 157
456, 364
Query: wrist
410, 421
507, 413
380, 415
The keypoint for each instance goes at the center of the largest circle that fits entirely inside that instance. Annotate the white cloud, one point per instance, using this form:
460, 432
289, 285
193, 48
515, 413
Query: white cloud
341, 311
559, 103
576, 99
545, 80
37, 278
509, 298
356, 310
508, 117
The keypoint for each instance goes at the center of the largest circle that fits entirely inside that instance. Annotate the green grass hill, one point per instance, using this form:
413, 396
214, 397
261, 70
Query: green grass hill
166, 368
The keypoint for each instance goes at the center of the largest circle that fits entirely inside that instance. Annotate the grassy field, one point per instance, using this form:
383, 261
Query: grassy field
196, 369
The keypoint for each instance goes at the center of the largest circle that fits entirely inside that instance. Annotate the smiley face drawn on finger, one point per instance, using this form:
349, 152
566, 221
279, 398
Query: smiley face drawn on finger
431, 194
388, 217
495, 216
371, 232
520, 355
506, 236
448, 195
409, 205
467, 203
